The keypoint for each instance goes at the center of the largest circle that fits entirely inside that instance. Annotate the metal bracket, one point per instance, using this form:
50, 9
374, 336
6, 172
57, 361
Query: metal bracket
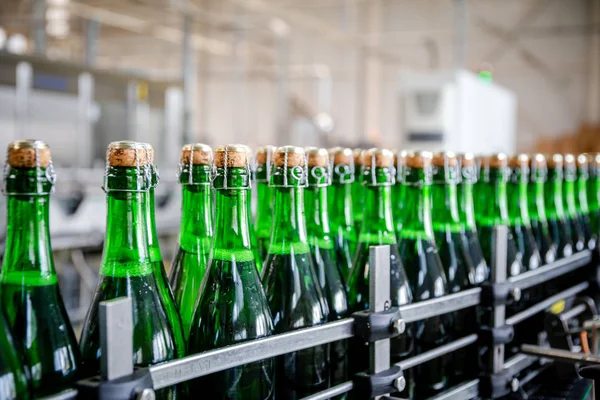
496, 294
372, 327
494, 336
368, 386
498, 385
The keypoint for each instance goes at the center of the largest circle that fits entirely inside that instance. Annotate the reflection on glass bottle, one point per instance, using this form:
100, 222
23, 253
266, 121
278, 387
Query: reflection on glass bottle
581, 200
196, 233
264, 200
325, 261
424, 268
358, 190
341, 214
560, 229
290, 281
232, 307
491, 209
593, 193
537, 208
466, 212
518, 211
570, 202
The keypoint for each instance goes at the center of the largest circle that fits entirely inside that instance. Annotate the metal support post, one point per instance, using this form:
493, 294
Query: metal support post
116, 338
499, 247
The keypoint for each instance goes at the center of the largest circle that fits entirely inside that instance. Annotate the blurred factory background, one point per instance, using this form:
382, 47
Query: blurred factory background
469, 75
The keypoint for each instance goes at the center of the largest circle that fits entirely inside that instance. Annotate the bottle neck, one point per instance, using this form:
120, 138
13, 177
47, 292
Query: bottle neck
416, 217
196, 217
378, 213
518, 211
581, 191
467, 207
28, 249
317, 217
264, 210
593, 192
341, 208
535, 198
153, 244
569, 198
232, 232
445, 203
289, 230
554, 198
126, 246
492, 202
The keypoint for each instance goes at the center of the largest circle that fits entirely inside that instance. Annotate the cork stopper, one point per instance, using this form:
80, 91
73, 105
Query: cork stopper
583, 160
294, 155
379, 158
358, 160
419, 159
499, 160
28, 153
445, 159
127, 153
232, 156
264, 153
537, 161
555, 161
519, 161
342, 156
201, 154
467, 159
317, 157
569, 160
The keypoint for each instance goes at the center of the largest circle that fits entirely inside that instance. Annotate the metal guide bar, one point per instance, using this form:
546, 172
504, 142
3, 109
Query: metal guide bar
331, 392
68, 394
560, 355
553, 270
518, 363
466, 391
440, 305
437, 352
573, 312
379, 300
544, 304
178, 371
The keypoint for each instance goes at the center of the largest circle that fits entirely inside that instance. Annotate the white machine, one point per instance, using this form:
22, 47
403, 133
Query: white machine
457, 111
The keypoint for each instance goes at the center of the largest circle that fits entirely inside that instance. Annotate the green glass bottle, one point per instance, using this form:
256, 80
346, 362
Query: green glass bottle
560, 229
13, 382
257, 256
290, 280
570, 201
537, 208
466, 213
232, 307
418, 252
162, 281
378, 178
127, 267
264, 200
398, 191
581, 200
341, 209
358, 190
325, 261
491, 209
31, 298
593, 193
196, 233
518, 211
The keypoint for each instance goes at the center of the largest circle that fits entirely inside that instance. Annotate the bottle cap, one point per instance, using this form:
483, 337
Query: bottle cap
28, 153
499, 160
569, 161
319, 168
554, 161
289, 156
467, 159
445, 159
379, 158
519, 161
358, 160
417, 159
232, 156
127, 153
570, 167
468, 168
537, 160
584, 160
264, 154
446, 162
196, 154
342, 156
539, 170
